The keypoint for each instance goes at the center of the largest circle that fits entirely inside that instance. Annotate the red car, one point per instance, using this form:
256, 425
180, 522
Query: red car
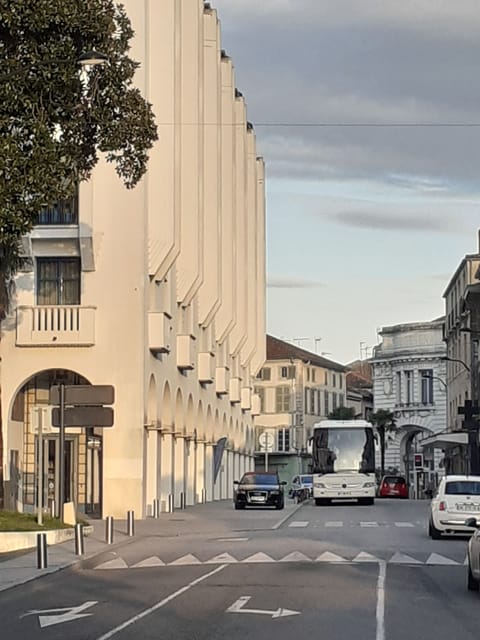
393, 487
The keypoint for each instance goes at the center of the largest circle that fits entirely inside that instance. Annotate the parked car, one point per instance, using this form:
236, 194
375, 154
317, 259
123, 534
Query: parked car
259, 489
303, 482
473, 555
457, 500
393, 487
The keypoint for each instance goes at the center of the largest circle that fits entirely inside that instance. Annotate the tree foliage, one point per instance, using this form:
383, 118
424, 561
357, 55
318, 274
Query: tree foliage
342, 413
55, 119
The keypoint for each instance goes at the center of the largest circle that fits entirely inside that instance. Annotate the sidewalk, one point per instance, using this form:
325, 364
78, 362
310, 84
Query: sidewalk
211, 518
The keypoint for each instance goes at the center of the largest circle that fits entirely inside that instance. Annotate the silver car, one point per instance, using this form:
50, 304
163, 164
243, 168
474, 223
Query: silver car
473, 576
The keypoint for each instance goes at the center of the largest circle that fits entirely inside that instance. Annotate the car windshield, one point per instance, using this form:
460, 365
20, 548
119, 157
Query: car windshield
394, 480
337, 450
259, 478
306, 479
463, 488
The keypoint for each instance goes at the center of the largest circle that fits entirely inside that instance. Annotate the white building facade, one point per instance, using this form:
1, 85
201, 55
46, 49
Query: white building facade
158, 291
409, 379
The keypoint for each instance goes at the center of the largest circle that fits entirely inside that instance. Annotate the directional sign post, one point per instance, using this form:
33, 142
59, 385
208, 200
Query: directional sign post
265, 440
80, 405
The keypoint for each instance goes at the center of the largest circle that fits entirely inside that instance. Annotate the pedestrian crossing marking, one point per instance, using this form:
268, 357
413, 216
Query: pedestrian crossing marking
369, 524
259, 557
153, 561
436, 558
334, 523
296, 556
222, 558
116, 563
299, 523
465, 562
327, 556
363, 556
404, 524
402, 558
186, 560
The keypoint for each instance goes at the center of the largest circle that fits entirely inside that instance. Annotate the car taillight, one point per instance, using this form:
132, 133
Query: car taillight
442, 506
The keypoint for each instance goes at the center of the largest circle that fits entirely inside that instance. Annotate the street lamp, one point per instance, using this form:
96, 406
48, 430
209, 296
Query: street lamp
92, 58
456, 360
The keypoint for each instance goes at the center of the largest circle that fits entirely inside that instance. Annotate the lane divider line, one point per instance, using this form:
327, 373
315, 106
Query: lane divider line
380, 613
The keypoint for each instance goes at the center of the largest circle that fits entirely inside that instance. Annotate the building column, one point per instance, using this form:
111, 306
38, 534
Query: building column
230, 473
190, 472
209, 471
200, 483
152, 463
179, 470
166, 470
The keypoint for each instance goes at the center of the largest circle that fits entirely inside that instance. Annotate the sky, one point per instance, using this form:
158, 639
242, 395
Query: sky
365, 224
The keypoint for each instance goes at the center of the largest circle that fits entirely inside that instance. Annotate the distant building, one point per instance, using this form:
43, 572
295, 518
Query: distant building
360, 388
297, 388
409, 380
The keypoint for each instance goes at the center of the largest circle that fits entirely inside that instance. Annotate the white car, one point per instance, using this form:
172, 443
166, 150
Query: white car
457, 500
473, 576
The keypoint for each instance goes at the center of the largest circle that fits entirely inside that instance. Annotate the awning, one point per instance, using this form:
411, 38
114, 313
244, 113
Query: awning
442, 440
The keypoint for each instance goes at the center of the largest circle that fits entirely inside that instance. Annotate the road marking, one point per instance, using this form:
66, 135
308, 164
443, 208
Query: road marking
363, 556
153, 561
334, 523
369, 524
221, 559
259, 557
286, 517
382, 574
232, 539
404, 524
117, 563
67, 614
299, 523
327, 556
186, 560
402, 558
436, 558
160, 604
238, 607
295, 556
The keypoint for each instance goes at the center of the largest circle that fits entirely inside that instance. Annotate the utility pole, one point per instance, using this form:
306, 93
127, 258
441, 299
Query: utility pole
470, 414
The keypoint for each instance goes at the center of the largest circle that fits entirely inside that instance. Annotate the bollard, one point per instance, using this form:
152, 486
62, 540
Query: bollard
204, 496
109, 529
156, 508
79, 540
53, 512
130, 524
171, 504
41, 550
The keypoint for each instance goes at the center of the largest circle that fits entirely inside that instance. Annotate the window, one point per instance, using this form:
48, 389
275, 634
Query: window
283, 440
58, 281
327, 403
399, 387
334, 401
426, 382
340, 382
341, 399
60, 213
334, 380
408, 387
326, 377
319, 403
312, 402
308, 374
313, 375
264, 374
260, 391
287, 373
307, 391
282, 397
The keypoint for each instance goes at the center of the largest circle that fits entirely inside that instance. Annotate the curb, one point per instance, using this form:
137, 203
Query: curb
288, 516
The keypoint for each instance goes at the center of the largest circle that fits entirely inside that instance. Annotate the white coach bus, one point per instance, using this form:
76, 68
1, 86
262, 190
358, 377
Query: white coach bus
343, 461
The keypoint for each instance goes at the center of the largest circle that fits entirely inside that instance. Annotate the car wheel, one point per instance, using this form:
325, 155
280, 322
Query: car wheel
433, 532
472, 583
280, 505
239, 506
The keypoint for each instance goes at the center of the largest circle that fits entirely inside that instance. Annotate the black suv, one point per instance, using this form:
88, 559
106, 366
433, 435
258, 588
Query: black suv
260, 489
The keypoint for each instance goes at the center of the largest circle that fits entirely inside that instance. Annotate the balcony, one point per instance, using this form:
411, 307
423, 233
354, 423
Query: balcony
55, 326
62, 213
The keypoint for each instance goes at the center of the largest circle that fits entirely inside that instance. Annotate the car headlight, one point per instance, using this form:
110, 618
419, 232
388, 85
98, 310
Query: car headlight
320, 485
367, 485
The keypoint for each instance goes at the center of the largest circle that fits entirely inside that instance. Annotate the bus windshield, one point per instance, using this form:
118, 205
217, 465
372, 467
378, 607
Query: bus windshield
343, 450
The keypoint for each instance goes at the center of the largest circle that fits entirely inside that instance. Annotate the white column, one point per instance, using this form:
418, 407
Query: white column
230, 474
200, 470
166, 469
179, 468
190, 455
151, 466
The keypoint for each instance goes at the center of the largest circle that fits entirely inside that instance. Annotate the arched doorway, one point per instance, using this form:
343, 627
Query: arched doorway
31, 456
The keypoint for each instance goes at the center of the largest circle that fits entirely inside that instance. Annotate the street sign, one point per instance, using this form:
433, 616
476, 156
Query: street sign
84, 394
265, 440
84, 417
418, 460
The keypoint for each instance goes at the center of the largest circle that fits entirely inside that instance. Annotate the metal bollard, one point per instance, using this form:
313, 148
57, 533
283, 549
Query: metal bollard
109, 529
79, 540
171, 503
130, 524
156, 508
183, 501
204, 496
41, 550
53, 509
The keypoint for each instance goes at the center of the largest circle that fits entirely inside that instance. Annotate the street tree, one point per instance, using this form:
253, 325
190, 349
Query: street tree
384, 421
57, 117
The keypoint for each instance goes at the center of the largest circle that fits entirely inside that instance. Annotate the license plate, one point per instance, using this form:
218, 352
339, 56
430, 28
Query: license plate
257, 498
344, 493
468, 507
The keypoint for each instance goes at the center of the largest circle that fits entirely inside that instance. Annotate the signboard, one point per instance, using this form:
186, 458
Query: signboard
418, 460
84, 394
84, 417
266, 440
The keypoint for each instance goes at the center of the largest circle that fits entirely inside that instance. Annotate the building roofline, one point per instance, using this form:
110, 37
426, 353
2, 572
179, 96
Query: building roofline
287, 351
468, 258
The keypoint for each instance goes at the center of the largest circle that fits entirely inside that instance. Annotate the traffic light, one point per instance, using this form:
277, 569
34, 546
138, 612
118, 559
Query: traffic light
418, 460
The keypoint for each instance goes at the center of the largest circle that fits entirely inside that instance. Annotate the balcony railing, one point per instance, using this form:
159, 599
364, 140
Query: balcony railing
55, 326
64, 212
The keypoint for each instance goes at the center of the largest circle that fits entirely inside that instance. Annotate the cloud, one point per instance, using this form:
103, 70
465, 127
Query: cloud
393, 221
292, 283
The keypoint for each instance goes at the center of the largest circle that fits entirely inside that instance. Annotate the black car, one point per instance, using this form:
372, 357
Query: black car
259, 490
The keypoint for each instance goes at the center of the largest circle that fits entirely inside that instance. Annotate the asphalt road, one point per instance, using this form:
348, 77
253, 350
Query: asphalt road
330, 572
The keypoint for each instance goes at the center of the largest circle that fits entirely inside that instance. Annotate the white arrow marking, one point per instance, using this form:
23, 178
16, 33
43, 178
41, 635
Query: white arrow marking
67, 614
237, 607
